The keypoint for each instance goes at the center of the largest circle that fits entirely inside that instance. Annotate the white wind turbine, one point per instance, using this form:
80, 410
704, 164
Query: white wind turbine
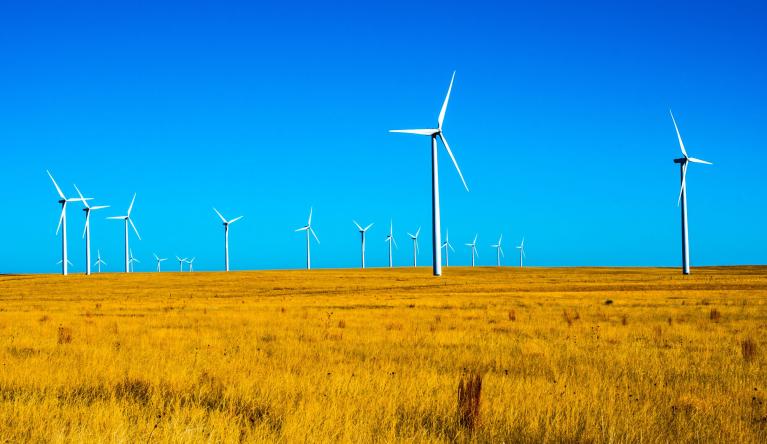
127, 220
683, 161
433, 134
308, 228
414, 237
191, 264
63, 225
226, 236
99, 261
521, 248
362, 234
499, 253
180, 263
159, 260
474, 252
390, 239
87, 229
132, 260
447, 245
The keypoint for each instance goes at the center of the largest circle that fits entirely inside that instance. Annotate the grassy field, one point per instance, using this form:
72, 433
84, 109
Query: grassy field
565, 355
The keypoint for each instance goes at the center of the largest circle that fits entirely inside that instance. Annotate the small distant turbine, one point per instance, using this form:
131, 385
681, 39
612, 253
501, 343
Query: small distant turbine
132, 260
447, 245
414, 237
682, 201
159, 261
474, 252
99, 261
87, 229
521, 248
308, 228
127, 220
390, 240
362, 234
191, 264
499, 253
181, 262
63, 224
226, 236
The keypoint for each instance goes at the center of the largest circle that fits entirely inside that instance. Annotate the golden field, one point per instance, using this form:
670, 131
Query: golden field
377, 355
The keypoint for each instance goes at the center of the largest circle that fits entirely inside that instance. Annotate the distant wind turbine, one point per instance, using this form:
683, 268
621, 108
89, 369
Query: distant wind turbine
63, 224
414, 237
132, 260
226, 236
435, 216
127, 220
499, 253
180, 263
474, 252
87, 229
159, 261
682, 201
68, 263
99, 261
447, 245
390, 240
308, 228
521, 248
362, 234
191, 264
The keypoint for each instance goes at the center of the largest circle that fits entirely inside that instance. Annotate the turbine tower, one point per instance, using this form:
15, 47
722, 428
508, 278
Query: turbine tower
390, 240
447, 245
127, 220
99, 261
474, 252
435, 217
308, 228
499, 253
414, 237
521, 248
362, 234
87, 230
132, 260
159, 260
683, 161
226, 236
62, 224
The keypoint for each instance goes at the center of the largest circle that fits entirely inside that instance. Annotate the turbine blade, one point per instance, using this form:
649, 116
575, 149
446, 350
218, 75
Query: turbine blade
679, 136
684, 183
302, 229
358, 225
395, 243
116, 217
61, 218
99, 207
502, 255
447, 147
134, 228
219, 215
87, 223
421, 132
155, 256
418, 232
235, 219
692, 159
82, 198
131, 204
451, 247
315, 235
444, 104
368, 227
55, 185
310, 216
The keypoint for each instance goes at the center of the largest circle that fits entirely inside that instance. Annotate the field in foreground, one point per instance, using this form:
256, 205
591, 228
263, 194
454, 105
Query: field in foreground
377, 355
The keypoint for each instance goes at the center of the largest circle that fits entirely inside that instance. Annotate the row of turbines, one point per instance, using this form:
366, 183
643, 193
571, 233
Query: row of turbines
437, 244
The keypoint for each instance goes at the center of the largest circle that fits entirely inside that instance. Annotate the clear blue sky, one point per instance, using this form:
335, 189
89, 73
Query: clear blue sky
559, 120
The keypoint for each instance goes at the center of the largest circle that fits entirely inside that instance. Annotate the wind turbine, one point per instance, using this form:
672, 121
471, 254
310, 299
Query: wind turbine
362, 234
87, 229
127, 220
99, 261
132, 260
474, 252
414, 237
435, 217
683, 161
390, 240
180, 263
159, 260
308, 228
226, 236
191, 264
68, 263
62, 224
521, 248
499, 253
447, 245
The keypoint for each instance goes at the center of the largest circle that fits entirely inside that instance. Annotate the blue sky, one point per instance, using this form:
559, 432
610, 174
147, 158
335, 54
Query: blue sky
558, 119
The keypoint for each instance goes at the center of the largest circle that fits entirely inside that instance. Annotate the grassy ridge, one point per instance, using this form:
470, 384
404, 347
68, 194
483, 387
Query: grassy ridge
377, 355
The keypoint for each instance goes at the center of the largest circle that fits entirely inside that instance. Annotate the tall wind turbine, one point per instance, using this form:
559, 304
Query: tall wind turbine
127, 220
390, 240
521, 248
159, 260
226, 236
474, 252
683, 161
132, 260
191, 264
435, 217
499, 253
308, 228
414, 237
180, 263
99, 261
87, 229
62, 224
362, 234
447, 245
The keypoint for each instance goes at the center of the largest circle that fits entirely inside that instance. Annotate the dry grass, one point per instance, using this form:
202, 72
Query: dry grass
376, 355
